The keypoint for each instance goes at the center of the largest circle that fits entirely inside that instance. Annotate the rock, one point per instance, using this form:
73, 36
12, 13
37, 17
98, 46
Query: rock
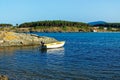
3, 77
1, 41
22, 39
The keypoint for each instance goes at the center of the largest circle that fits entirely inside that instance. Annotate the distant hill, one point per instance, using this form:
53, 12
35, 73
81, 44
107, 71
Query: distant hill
97, 23
104, 24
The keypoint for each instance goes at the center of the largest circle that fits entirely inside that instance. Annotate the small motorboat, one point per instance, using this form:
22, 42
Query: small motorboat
54, 45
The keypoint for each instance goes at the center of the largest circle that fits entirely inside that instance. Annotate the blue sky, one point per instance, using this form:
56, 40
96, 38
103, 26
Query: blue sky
20, 11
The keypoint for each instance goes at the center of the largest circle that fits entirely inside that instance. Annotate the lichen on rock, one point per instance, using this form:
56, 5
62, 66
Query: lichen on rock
22, 39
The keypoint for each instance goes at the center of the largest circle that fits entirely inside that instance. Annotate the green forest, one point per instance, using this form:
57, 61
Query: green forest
54, 23
5, 25
61, 26
59, 23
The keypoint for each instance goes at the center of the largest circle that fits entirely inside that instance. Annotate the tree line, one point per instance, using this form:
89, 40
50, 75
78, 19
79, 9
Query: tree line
5, 25
60, 23
54, 23
113, 25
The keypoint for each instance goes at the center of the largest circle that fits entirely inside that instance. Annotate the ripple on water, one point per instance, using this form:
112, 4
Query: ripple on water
85, 56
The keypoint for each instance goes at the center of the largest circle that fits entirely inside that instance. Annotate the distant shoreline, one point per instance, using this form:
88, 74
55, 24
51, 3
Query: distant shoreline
61, 26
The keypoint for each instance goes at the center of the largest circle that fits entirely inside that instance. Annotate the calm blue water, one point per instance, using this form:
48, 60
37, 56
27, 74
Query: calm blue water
85, 56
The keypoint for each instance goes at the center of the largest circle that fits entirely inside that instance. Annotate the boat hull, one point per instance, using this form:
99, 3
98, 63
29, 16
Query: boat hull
55, 44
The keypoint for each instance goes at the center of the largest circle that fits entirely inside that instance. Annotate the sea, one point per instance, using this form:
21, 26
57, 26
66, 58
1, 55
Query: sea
85, 56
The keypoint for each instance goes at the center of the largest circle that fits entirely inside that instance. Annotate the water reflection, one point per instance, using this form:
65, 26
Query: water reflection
12, 50
30, 49
43, 50
56, 51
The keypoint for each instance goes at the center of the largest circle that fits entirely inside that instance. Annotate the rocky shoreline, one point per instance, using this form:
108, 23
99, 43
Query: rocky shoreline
22, 39
3, 77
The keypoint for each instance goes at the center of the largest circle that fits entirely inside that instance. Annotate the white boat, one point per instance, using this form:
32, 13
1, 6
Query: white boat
55, 44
